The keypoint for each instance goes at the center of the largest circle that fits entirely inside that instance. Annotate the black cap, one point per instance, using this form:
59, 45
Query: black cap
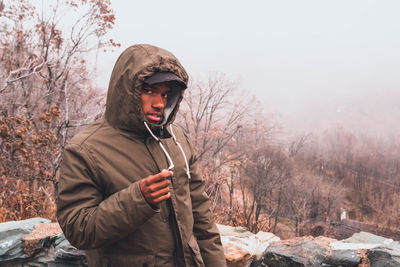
161, 77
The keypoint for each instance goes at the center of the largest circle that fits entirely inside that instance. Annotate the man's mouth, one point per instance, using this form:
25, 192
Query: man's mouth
154, 117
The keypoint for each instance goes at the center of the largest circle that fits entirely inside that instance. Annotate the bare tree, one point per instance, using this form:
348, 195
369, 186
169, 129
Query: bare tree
45, 89
212, 113
268, 171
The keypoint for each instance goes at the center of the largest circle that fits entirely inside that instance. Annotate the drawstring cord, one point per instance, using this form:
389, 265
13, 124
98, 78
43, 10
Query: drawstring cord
171, 163
183, 152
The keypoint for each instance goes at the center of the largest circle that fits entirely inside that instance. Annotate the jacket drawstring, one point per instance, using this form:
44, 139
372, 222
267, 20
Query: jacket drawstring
182, 151
171, 163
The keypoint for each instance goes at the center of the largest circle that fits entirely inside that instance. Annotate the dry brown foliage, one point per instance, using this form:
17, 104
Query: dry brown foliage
18, 201
45, 94
26, 168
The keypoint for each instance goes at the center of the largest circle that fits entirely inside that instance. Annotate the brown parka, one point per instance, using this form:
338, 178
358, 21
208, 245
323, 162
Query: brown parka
100, 206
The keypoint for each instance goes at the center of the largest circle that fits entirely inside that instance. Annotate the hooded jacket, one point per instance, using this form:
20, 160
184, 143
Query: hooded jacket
100, 206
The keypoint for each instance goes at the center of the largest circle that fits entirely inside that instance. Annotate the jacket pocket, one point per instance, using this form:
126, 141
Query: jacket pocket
195, 250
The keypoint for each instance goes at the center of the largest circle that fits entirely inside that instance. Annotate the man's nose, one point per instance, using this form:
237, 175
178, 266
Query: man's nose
158, 101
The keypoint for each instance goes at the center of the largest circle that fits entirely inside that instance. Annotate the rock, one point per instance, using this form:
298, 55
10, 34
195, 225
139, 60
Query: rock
63, 250
40, 238
266, 237
353, 249
342, 258
245, 244
11, 234
367, 238
30, 243
359, 241
261, 241
380, 251
340, 245
226, 230
43, 245
385, 255
304, 251
237, 256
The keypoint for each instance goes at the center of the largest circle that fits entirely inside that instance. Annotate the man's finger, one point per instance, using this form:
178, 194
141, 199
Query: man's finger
157, 194
159, 185
162, 198
157, 177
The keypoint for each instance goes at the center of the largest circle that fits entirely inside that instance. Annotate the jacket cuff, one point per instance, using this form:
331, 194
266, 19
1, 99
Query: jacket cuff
141, 201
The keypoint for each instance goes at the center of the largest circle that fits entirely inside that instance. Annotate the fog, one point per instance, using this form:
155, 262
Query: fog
313, 63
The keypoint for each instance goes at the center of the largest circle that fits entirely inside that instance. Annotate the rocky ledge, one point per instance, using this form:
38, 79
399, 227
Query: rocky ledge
38, 242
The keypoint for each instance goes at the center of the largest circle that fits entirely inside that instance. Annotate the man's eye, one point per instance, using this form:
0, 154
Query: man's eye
164, 95
147, 91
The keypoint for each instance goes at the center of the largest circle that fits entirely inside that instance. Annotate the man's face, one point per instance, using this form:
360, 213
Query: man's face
154, 100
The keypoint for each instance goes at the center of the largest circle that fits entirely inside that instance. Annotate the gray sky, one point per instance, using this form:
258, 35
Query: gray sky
301, 58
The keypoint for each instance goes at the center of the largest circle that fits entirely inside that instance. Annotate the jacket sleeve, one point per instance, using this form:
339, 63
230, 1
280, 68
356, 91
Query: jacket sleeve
86, 218
204, 229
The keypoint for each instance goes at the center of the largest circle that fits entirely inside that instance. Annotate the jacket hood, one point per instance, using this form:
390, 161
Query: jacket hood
134, 65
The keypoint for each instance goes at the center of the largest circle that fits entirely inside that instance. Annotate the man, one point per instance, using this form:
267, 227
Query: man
129, 190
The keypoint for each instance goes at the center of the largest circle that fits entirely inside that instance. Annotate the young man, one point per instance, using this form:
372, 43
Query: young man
129, 190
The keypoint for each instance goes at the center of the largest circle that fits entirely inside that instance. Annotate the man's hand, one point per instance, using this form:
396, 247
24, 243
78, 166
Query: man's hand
155, 188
